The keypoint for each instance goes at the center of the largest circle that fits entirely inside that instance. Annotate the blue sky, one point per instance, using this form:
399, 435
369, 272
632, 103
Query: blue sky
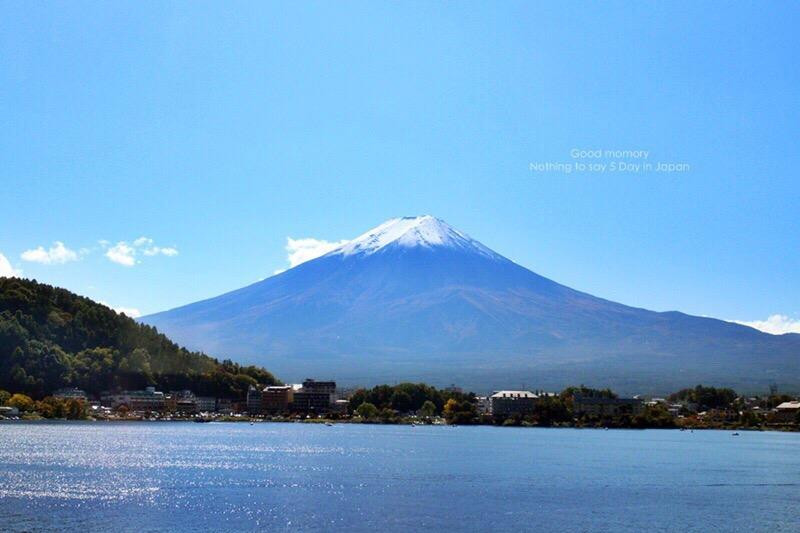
212, 132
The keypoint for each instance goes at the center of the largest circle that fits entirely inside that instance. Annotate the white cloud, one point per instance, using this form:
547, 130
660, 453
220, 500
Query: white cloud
774, 324
302, 250
130, 311
155, 250
56, 255
125, 253
6, 270
122, 254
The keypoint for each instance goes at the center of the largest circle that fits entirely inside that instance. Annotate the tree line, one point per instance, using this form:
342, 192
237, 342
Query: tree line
390, 404
52, 338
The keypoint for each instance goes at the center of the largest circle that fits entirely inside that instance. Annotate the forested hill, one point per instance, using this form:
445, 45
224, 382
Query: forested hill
52, 338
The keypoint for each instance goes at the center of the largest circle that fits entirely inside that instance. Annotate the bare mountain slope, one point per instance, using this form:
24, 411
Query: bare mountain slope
415, 299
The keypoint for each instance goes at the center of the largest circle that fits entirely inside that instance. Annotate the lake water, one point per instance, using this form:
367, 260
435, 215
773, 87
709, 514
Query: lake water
165, 476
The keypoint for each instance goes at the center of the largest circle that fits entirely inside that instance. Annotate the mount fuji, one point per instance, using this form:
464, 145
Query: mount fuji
416, 299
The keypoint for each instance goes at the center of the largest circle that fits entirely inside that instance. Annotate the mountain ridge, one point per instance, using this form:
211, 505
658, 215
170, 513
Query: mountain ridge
416, 299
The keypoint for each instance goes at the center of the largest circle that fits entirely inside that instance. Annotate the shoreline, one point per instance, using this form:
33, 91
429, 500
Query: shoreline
327, 422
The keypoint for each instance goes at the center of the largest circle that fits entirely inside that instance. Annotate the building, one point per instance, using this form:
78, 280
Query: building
512, 402
314, 396
70, 393
327, 387
239, 406
182, 401
206, 404
253, 401
598, 406
8, 411
675, 409
484, 404
788, 412
277, 399
98, 411
142, 400
225, 405
145, 400
722, 415
340, 406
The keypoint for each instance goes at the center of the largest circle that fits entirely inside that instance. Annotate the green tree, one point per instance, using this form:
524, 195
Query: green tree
550, 410
653, 416
570, 392
387, 415
356, 399
138, 362
367, 411
706, 397
4, 396
749, 419
401, 401
51, 338
428, 409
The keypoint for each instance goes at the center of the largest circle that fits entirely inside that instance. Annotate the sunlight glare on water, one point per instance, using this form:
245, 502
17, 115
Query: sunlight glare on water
209, 477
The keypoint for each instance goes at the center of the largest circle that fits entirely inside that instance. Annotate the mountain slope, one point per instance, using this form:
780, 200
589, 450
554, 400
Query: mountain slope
51, 338
416, 299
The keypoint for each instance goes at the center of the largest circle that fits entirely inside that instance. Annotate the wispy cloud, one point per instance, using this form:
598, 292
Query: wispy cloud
302, 250
56, 255
156, 250
6, 270
124, 253
774, 324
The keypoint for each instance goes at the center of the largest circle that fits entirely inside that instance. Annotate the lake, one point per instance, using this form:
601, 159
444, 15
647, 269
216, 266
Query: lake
174, 476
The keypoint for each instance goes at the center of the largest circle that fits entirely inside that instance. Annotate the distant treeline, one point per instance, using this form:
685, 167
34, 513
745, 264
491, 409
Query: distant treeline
52, 338
390, 404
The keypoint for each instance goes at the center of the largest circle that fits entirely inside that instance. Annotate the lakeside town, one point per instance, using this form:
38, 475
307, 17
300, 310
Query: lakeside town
411, 403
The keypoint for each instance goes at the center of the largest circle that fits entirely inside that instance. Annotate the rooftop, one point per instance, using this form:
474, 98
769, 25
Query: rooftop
514, 394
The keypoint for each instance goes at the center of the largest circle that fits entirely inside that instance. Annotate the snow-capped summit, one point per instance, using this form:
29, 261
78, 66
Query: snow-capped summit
425, 231
415, 299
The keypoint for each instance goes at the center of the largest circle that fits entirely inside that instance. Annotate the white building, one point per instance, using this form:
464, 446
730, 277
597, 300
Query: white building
70, 393
788, 411
512, 402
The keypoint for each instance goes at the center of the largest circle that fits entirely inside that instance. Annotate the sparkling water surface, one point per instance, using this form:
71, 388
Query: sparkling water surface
178, 476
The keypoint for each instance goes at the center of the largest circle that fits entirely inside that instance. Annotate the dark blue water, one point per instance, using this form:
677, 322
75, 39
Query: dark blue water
217, 477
